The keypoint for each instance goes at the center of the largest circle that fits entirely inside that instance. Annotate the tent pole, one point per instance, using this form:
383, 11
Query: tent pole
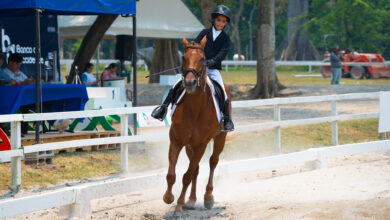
134, 62
97, 62
37, 69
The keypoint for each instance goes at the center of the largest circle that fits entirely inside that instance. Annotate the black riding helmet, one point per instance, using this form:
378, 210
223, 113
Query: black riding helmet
221, 10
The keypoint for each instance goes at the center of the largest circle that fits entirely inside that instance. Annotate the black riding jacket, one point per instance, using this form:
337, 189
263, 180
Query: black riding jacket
216, 50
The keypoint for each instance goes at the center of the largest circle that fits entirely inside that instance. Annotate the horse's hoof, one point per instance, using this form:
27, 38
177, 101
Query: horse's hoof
189, 205
177, 214
168, 199
209, 204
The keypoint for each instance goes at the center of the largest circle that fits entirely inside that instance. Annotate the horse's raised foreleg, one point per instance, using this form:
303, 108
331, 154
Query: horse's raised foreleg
187, 177
190, 204
219, 143
174, 151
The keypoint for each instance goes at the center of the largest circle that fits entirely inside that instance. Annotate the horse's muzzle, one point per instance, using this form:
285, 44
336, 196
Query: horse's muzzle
190, 85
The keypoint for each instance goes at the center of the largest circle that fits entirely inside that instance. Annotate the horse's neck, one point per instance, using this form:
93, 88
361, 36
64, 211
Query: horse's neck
199, 100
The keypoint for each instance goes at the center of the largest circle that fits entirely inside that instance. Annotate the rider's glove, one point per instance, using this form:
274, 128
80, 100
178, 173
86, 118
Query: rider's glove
210, 62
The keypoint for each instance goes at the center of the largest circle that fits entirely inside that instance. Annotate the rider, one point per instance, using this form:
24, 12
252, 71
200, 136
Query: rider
216, 49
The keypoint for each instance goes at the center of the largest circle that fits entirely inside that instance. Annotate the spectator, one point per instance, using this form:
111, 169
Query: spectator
87, 77
110, 72
13, 70
14, 73
4, 78
335, 64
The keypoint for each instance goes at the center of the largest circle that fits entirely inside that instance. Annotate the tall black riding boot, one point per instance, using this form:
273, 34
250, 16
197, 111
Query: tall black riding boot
227, 122
161, 111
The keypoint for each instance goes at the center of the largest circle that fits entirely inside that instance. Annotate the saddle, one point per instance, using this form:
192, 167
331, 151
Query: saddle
218, 93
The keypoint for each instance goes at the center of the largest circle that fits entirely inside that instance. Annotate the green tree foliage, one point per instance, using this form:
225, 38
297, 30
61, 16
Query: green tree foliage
362, 25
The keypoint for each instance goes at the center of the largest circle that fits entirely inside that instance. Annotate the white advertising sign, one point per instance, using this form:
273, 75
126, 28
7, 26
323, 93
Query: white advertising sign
384, 114
145, 120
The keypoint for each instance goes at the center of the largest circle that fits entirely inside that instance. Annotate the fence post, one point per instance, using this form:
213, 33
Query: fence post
16, 162
277, 139
124, 146
335, 128
321, 161
226, 67
309, 68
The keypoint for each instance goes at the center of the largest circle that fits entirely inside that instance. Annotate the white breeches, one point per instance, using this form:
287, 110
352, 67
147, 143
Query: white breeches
215, 75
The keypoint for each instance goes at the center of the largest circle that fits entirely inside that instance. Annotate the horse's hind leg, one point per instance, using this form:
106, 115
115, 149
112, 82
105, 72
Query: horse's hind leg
190, 204
219, 143
187, 177
174, 151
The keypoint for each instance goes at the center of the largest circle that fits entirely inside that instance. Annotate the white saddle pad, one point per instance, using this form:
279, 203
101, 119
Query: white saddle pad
216, 105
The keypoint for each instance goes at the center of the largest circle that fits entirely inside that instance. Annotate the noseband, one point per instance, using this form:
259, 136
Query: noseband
197, 74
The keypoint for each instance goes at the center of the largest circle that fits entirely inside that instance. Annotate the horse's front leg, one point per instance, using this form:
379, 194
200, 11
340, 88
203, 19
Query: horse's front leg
190, 204
219, 143
174, 151
193, 167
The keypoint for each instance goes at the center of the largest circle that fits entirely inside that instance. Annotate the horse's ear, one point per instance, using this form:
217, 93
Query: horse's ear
203, 42
185, 42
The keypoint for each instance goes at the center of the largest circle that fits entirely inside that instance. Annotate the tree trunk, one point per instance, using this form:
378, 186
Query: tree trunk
165, 57
297, 45
250, 31
267, 85
235, 25
348, 34
90, 42
206, 7
300, 48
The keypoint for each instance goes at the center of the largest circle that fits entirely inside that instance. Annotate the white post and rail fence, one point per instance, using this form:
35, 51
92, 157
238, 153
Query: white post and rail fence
75, 201
227, 63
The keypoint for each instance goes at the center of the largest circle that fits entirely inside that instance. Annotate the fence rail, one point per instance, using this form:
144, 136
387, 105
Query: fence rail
17, 151
227, 63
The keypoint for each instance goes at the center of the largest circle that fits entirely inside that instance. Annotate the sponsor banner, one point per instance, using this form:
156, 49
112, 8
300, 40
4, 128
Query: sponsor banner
145, 120
17, 35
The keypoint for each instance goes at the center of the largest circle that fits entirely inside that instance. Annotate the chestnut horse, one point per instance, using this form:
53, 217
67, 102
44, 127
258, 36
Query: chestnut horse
194, 124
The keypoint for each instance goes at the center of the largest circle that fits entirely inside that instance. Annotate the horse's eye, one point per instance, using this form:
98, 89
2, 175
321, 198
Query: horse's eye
202, 60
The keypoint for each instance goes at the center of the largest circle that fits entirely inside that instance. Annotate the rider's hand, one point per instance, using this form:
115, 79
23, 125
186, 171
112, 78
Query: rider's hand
210, 62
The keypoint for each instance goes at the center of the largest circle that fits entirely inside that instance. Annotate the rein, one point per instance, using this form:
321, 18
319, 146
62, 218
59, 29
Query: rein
153, 74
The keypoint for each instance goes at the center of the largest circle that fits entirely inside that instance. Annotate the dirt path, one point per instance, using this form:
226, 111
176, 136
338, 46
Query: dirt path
353, 187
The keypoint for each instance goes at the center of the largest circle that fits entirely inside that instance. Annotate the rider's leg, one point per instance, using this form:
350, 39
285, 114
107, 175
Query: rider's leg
161, 111
228, 123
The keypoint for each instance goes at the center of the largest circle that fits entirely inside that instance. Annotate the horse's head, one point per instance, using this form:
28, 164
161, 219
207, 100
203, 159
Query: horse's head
193, 65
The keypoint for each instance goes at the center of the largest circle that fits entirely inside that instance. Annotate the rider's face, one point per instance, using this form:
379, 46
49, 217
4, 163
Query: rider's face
220, 22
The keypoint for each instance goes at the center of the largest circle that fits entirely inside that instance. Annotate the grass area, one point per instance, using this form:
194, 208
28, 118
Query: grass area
83, 165
253, 144
70, 167
247, 75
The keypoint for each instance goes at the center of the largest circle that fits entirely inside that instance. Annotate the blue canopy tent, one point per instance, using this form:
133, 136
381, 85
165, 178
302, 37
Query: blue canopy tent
68, 7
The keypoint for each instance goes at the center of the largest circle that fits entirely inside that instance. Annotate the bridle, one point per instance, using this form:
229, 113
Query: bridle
198, 75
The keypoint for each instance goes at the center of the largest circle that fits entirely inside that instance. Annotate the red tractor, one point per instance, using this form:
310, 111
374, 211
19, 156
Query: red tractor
356, 71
